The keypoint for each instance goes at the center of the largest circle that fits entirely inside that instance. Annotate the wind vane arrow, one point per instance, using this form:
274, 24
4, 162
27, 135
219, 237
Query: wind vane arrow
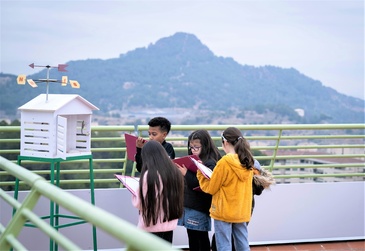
60, 67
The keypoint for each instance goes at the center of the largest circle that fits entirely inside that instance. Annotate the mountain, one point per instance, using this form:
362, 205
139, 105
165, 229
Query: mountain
181, 72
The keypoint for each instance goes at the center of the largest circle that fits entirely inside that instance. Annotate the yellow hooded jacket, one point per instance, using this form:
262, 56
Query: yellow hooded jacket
231, 188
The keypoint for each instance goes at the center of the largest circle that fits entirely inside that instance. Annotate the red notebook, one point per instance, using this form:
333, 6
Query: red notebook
188, 162
130, 141
131, 183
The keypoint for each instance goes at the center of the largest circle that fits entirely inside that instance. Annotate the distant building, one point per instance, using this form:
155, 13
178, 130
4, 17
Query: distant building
312, 162
300, 112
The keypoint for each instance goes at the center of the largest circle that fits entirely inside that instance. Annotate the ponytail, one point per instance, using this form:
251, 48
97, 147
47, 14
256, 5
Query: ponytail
243, 150
241, 146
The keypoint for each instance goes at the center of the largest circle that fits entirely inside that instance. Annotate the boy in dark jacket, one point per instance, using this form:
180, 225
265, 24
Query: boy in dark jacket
159, 127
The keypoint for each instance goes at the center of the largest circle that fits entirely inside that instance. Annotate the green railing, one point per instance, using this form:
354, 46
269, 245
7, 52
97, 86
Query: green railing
293, 153
99, 218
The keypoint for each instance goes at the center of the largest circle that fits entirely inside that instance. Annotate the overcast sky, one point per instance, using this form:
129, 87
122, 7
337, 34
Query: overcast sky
324, 40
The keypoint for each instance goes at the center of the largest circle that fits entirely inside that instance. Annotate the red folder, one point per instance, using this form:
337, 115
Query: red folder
130, 141
187, 162
131, 183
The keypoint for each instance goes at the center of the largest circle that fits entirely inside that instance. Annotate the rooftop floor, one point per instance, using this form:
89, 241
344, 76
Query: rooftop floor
356, 245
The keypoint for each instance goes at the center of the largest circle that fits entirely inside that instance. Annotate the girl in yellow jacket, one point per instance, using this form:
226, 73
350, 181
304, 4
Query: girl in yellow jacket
231, 188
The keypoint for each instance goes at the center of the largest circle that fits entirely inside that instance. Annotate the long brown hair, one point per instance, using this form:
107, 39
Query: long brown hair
241, 146
160, 169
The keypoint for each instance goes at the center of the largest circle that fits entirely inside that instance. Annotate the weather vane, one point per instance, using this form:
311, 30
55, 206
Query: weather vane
61, 67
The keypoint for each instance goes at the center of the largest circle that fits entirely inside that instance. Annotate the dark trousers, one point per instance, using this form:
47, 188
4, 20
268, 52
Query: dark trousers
198, 240
167, 236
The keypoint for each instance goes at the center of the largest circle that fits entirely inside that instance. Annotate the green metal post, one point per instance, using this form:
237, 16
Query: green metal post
51, 205
55, 180
92, 199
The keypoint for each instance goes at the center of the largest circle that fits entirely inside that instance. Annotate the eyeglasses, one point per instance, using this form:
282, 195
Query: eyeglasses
223, 138
195, 148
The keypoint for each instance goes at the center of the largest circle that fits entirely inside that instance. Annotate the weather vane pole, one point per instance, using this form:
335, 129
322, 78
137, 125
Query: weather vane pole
61, 67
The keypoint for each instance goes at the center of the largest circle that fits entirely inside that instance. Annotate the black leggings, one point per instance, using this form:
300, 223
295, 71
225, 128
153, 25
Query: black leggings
167, 236
198, 240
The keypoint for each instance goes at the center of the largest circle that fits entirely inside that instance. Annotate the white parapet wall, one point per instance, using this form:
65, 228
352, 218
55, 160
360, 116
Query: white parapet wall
288, 213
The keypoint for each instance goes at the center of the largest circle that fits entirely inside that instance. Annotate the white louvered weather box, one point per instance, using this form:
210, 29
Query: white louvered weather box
56, 128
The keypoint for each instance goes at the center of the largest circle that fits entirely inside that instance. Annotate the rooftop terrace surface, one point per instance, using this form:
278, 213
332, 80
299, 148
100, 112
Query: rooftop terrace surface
356, 245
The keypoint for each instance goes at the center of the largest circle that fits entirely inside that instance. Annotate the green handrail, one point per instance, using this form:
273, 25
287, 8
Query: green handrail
277, 143
101, 219
323, 132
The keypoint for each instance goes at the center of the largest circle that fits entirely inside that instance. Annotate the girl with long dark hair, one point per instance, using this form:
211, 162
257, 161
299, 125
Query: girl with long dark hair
160, 195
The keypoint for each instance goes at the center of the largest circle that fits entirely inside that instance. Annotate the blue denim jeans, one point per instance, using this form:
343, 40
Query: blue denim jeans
195, 220
224, 231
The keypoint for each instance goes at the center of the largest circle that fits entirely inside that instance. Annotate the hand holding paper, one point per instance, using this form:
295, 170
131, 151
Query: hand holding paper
131, 183
207, 172
130, 141
187, 162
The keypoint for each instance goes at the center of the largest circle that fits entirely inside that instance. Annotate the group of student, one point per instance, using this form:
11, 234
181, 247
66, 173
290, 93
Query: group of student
227, 196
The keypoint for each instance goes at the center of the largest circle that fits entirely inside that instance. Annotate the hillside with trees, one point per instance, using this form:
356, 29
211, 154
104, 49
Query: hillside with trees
180, 72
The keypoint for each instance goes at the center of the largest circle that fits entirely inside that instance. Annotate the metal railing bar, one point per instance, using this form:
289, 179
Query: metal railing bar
71, 224
109, 223
49, 230
9, 199
318, 175
263, 127
316, 166
17, 245
319, 156
114, 160
119, 228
